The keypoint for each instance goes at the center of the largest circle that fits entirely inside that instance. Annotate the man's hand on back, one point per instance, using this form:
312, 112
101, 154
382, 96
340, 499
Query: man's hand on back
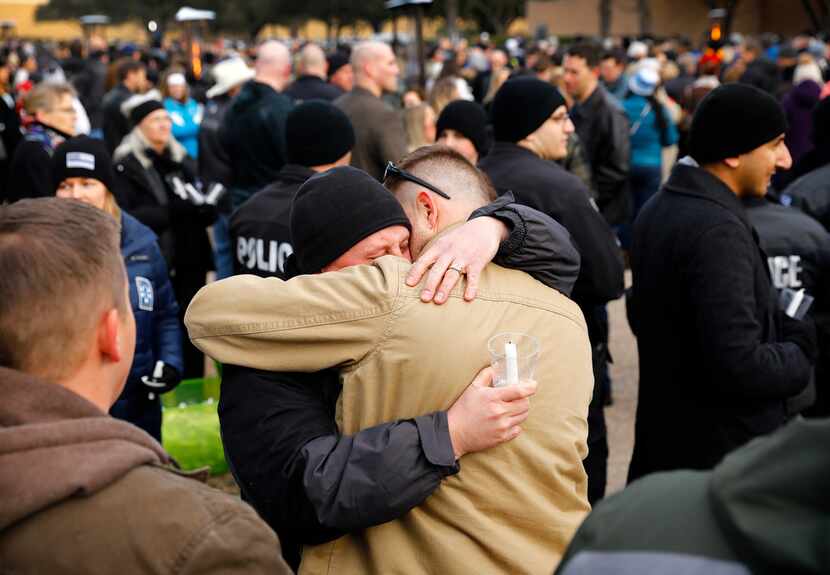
464, 250
486, 416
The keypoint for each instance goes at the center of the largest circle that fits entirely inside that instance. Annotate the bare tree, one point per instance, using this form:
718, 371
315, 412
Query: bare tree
604, 18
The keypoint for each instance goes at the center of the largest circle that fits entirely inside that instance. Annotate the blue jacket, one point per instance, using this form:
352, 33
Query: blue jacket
186, 119
646, 147
158, 332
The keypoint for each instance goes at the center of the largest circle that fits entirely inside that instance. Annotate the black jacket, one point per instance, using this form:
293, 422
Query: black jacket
10, 136
90, 82
259, 228
312, 88
798, 253
714, 369
547, 187
214, 162
602, 127
253, 134
811, 193
115, 124
30, 171
312, 484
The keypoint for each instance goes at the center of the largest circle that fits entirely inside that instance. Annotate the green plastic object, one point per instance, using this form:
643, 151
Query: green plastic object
190, 425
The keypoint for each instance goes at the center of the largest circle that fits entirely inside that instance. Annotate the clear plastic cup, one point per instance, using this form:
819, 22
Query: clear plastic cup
527, 356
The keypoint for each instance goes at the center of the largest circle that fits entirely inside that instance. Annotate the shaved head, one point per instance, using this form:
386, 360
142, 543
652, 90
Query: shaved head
312, 61
375, 67
273, 64
451, 173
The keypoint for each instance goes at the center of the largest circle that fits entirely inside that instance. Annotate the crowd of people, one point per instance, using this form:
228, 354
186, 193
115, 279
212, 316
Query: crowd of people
345, 242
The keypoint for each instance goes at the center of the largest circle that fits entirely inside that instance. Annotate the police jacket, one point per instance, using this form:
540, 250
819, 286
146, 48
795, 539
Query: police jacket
259, 228
312, 88
253, 134
312, 484
798, 253
715, 370
158, 332
811, 193
603, 130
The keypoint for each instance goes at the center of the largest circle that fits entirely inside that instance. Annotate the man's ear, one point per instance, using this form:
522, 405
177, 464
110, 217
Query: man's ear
427, 209
109, 336
733, 163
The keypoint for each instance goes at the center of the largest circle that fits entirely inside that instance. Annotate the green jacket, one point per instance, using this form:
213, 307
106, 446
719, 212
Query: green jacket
764, 509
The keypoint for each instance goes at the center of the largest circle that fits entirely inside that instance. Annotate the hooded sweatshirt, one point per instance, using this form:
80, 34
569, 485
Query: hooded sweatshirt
763, 509
81, 492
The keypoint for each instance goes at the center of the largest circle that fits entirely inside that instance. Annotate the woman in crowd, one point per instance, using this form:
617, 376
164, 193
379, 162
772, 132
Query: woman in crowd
82, 170
420, 126
162, 191
185, 112
651, 129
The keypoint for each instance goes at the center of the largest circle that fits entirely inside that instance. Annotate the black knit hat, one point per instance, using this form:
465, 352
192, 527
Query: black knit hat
143, 110
334, 210
336, 61
522, 105
82, 157
734, 119
317, 133
468, 119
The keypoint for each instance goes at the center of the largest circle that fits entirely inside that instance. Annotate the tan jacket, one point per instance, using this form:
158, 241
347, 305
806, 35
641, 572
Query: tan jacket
512, 509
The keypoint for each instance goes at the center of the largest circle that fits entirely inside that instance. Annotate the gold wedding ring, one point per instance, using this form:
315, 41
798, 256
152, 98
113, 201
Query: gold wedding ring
459, 270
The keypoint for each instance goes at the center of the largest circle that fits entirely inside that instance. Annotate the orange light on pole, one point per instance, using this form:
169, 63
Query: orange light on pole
715, 34
196, 61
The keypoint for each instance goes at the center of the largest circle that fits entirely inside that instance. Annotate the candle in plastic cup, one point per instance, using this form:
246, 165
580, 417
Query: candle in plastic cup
513, 357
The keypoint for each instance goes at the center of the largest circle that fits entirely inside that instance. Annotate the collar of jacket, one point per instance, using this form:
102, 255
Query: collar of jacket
54, 445
363, 93
504, 148
41, 130
689, 180
591, 104
294, 174
135, 143
310, 78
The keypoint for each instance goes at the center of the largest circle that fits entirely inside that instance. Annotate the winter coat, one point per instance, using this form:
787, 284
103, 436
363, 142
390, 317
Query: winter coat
85, 493
714, 368
647, 142
158, 334
764, 509
798, 105
115, 123
547, 187
186, 118
90, 83
30, 172
798, 254
273, 422
380, 136
214, 162
259, 228
312, 88
514, 507
10, 136
253, 134
811, 193
147, 195
603, 130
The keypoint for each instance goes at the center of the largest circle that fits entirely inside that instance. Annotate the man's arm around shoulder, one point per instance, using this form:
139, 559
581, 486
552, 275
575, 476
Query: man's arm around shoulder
309, 323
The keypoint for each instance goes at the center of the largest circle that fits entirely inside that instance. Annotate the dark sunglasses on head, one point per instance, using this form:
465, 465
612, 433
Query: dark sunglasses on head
395, 172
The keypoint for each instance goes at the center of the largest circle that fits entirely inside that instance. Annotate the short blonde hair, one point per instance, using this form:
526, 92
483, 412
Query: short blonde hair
45, 96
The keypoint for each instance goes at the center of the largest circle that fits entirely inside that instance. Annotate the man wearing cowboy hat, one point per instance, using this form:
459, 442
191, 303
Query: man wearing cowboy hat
214, 163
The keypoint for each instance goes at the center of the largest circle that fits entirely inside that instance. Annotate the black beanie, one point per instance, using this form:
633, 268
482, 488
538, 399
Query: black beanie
522, 105
334, 210
82, 157
143, 110
734, 119
468, 119
336, 61
317, 133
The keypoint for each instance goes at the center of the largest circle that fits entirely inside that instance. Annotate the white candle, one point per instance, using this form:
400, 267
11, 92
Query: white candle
511, 358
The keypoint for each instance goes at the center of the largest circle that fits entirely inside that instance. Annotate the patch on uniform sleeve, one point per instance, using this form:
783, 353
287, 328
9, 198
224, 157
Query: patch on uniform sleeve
144, 288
